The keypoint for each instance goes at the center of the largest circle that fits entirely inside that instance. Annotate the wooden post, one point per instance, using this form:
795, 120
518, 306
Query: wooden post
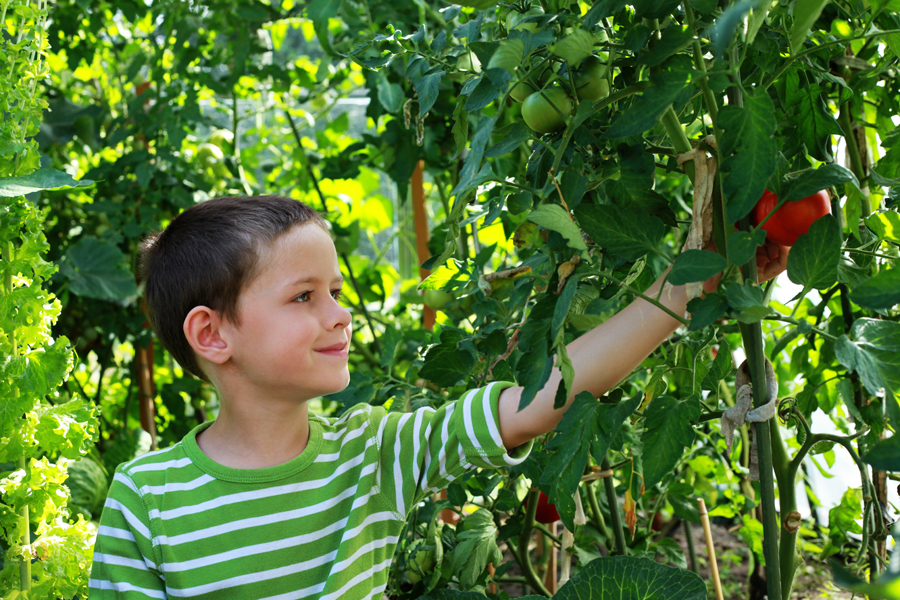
420, 220
147, 391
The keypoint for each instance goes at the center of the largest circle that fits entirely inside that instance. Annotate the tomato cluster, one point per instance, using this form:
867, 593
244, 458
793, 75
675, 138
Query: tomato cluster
793, 219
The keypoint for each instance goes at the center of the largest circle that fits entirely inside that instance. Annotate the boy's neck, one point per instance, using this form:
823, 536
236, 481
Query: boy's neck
245, 437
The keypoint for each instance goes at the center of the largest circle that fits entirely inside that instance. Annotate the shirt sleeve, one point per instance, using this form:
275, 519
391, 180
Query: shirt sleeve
424, 451
125, 561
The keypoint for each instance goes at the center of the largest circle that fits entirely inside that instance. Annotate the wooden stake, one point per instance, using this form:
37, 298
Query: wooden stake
420, 220
710, 549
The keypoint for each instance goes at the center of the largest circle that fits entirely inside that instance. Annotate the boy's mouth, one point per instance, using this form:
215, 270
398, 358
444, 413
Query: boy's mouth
339, 350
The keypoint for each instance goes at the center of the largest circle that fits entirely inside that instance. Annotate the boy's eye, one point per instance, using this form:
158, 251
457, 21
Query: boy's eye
304, 297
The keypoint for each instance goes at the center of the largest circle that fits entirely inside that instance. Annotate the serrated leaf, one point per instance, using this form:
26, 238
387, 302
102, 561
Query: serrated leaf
811, 181
654, 9
722, 32
96, 269
513, 138
575, 47
631, 578
815, 123
696, 265
747, 300
813, 260
555, 218
42, 179
390, 95
476, 548
472, 165
427, 87
445, 276
805, 14
882, 291
667, 433
674, 39
671, 86
507, 56
873, 351
748, 149
587, 428
620, 231
742, 245
884, 455
445, 364
319, 11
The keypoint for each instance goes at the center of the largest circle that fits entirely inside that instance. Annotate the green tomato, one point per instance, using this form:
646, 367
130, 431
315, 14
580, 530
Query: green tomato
437, 299
541, 110
590, 80
535, 82
223, 138
423, 562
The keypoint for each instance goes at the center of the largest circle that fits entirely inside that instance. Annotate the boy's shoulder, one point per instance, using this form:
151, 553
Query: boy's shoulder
155, 462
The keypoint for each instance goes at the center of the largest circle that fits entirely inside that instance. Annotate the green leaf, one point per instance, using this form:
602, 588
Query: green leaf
805, 14
563, 301
476, 548
620, 231
460, 129
811, 181
667, 433
555, 218
884, 455
882, 291
427, 87
42, 179
722, 32
742, 245
813, 261
71, 429
815, 123
631, 578
513, 137
472, 165
575, 47
670, 86
747, 300
587, 428
721, 368
452, 272
445, 364
390, 95
886, 225
96, 269
748, 149
696, 265
873, 351
674, 39
319, 11
508, 56
389, 341
654, 9
705, 311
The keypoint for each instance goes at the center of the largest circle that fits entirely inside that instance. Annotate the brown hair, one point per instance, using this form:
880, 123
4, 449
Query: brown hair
206, 256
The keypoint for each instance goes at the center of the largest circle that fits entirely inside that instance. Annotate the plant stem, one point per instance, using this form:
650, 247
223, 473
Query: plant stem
681, 142
596, 513
755, 352
708, 96
523, 556
786, 474
692, 551
613, 502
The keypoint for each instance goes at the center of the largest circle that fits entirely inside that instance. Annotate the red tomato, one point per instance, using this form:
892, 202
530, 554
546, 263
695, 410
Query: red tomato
793, 219
546, 512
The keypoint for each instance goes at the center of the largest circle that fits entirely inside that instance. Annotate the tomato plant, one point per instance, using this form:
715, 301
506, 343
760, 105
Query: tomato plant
792, 219
545, 111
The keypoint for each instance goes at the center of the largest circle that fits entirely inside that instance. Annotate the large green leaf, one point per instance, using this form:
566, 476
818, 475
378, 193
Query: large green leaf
805, 14
620, 231
873, 351
575, 47
42, 179
670, 86
427, 88
748, 150
815, 123
445, 364
476, 548
319, 11
587, 428
96, 269
884, 455
722, 33
668, 431
632, 578
747, 301
696, 265
813, 261
811, 181
882, 291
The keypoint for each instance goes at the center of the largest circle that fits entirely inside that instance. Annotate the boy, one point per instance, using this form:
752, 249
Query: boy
269, 501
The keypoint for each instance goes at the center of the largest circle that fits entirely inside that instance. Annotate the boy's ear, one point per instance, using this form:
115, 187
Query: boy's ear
204, 332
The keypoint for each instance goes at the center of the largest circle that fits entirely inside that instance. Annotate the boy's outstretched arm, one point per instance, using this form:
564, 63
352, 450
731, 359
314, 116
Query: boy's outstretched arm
607, 354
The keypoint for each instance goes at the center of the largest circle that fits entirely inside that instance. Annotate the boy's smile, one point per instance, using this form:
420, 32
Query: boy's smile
294, 334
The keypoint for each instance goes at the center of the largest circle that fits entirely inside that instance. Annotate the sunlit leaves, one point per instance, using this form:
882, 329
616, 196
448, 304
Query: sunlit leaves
555, 218
42, 179
873, 350
620, 231
805, 14
882, 291
575, 47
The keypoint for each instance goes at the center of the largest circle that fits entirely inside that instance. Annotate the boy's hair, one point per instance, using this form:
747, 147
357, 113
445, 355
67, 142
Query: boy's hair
206, 257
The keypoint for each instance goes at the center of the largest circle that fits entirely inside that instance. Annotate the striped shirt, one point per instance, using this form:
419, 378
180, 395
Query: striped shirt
322, 525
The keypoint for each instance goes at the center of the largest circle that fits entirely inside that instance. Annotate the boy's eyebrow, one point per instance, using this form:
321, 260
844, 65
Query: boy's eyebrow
314, 279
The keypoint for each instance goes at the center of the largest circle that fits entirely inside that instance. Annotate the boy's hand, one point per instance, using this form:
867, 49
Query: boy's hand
771, 261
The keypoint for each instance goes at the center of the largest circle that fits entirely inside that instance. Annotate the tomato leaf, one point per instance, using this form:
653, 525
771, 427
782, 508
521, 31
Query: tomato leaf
623, 232
747, 301
748, 149
884, 455
705, 311
879, 292
588, 427
805, 14
476, 548
670, 86
472, 165
555, 218
667, 433
674, 39
654, 9
722, 33
742, 245
42, 179
873, 351
575, 47
811, 181
813, 261
427, 88
445, 364
696, 265
814, 122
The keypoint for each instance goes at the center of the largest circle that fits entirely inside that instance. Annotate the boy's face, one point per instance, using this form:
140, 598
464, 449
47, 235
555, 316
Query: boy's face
287, 322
